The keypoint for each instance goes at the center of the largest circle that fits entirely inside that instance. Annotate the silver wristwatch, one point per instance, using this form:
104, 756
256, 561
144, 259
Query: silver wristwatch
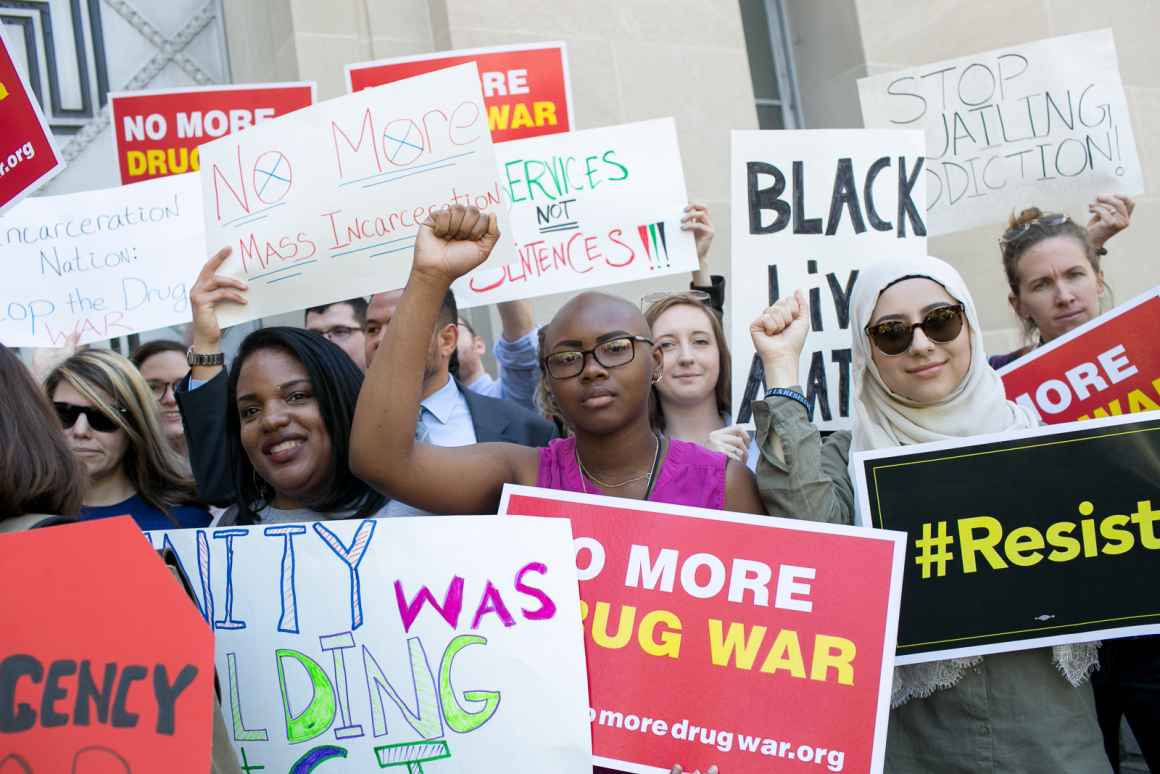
198, 359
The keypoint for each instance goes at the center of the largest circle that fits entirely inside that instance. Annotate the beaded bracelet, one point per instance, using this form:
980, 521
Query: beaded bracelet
784, 392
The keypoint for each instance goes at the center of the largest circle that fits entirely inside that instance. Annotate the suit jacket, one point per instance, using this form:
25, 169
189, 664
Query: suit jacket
203, 413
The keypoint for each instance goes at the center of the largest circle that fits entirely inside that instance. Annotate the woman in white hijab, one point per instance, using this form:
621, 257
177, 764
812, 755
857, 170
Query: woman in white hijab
920, 374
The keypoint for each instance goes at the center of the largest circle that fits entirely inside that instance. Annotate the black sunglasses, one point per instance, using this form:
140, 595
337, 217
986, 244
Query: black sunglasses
893, 337
97, 419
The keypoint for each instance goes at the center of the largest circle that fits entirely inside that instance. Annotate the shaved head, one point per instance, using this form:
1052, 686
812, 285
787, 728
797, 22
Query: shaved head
596, 313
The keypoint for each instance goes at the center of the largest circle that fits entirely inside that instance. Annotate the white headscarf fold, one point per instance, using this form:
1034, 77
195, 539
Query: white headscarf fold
883, 419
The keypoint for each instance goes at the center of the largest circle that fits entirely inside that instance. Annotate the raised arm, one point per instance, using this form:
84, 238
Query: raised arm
518, 354
383, 450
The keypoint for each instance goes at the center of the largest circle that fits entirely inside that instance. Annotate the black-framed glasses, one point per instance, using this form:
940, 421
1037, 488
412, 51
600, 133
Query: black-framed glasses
159, 387
97, 419
893, 337
610, 354
340, 332
1018, 232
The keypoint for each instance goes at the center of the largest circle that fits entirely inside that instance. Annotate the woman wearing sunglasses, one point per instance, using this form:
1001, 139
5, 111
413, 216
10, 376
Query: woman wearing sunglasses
920, 374
1053, 269
113, 425
599, 362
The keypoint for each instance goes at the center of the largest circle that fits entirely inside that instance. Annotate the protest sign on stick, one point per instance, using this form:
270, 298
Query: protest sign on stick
589, 208
1022, 540
437, 644
721, 638
526, 87
105, 664
28, 154
324, 204
1106, 367
1043, 123
157, 133
810, 209
100, 263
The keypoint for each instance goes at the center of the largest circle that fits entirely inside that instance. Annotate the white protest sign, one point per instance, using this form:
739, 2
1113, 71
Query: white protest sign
102, 263
1044, 124
438, 644
589, 208
810, 208
324, 203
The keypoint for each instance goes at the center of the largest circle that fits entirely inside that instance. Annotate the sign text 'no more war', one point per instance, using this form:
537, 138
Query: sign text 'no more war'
819, 205
325, 203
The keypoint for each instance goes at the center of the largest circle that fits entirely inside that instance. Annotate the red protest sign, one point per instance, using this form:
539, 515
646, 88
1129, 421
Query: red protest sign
754, 643
157, 133
1106, 367
105, 663
28, 153
526, 88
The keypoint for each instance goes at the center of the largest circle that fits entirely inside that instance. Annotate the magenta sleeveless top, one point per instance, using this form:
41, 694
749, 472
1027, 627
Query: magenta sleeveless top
689, 475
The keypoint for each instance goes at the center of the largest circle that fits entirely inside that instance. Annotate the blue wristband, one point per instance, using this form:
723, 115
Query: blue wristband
784, 392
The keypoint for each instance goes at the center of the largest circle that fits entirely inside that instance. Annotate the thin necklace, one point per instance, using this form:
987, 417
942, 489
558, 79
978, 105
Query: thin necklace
604, 485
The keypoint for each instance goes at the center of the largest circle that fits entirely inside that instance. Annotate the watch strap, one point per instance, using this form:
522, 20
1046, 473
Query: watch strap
199, 359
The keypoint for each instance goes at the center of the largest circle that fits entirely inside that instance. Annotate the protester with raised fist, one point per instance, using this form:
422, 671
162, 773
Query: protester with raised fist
920, 374
41, 479
1053, 268
599, 363
113, 425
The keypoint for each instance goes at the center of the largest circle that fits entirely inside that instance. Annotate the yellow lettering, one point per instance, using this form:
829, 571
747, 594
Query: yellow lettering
1088, 530
1146, 518
669, 643
1113, 407
1138, 401
1066, 548
156, 160
521, 119
195, 159
136, 162
4, 93
737, 644
545, 113
833, 652
623, 634
497, 116
786, 653
971, 544
1120, 539
1022, 546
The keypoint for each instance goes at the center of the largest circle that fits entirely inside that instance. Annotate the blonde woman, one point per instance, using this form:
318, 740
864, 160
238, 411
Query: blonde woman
113, 425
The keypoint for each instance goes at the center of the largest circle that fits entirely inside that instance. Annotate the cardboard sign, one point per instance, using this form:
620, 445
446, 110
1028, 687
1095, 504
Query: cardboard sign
443, 644
754, 643
28, 154
324, 204
1022, 540
102, 263
526, 88
157, 133
810, 209
105, 665
588, 209
1043, 123
1106, 367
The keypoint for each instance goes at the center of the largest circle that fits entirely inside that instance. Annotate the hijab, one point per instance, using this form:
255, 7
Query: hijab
883, 417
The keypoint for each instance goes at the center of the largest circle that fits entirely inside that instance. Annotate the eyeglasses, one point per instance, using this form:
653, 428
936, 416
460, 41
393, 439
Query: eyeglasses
340, 333
97, 419
698, 296
610, 354
1018, 232
893, 337
159, 388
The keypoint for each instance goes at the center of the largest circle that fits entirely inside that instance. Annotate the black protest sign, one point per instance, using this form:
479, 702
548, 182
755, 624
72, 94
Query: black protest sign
1036, 538
819, 205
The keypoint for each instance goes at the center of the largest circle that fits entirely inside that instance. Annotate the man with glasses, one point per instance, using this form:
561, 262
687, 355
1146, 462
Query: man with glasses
343, 323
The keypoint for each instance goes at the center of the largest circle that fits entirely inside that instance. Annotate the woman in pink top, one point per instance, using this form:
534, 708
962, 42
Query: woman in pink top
599, 362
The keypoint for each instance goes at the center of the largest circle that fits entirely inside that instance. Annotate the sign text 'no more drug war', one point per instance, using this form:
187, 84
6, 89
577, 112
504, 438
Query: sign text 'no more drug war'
28, 154
157, 132
754, 643
438, 645
589, 208
1044, 123
1024, 539
100, 263
810, 209
325, 203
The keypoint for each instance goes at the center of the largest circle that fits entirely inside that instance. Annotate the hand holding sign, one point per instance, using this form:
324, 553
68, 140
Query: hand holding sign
453, 241
779, 334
